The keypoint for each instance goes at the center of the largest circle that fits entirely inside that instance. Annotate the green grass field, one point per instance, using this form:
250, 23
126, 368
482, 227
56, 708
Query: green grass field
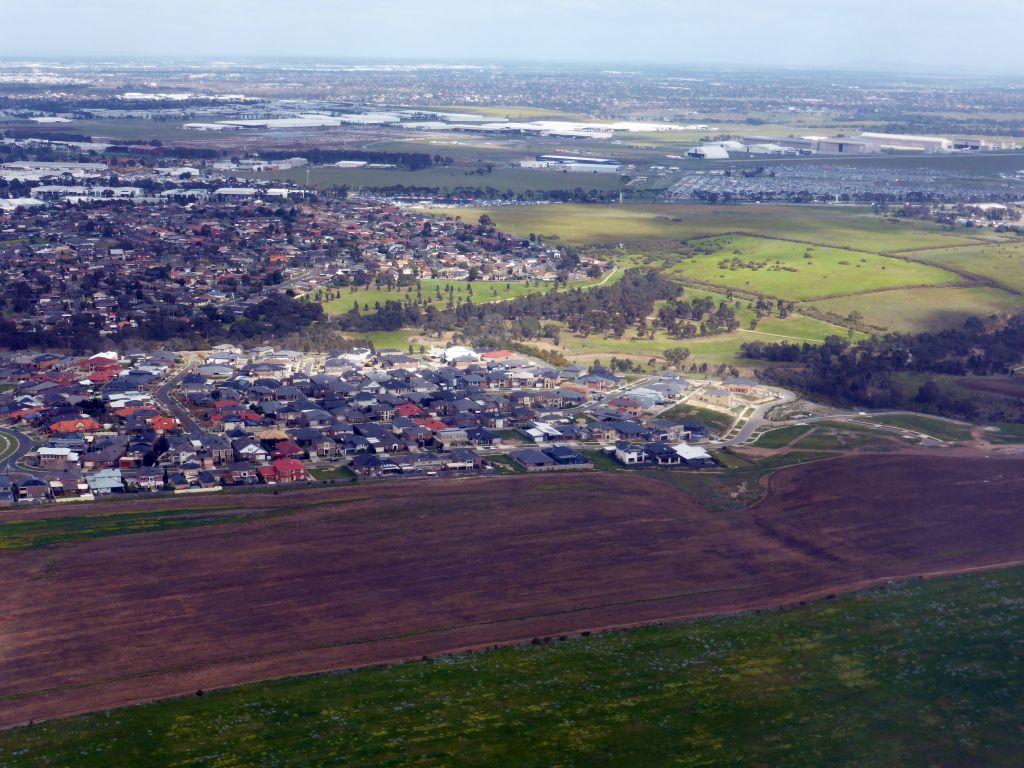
917, 674
483, 292
841, 436
1002, 262
717, 420
781, 268
918, 310
612, 224
937, 428
28, 533
781, 437
714, 350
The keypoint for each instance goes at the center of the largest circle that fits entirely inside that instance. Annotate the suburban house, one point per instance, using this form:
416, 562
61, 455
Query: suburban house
284, 471
628, 453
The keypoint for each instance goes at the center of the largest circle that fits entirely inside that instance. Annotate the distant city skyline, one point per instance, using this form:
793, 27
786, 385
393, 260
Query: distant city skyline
911, 35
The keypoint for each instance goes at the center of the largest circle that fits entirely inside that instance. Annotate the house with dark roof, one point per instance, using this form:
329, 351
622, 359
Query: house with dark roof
533, 459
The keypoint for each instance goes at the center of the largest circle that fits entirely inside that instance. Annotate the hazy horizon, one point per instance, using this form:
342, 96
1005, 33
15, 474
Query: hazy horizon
917, 37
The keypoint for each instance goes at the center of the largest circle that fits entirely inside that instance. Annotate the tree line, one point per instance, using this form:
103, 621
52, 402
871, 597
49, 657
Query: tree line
874, 372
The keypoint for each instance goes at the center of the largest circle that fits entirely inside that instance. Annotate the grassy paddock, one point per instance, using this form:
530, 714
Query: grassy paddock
854, 228
917, 310
1001, 262
794, 271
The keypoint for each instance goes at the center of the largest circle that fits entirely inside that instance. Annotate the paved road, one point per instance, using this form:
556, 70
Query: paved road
163, 396
757, 418
25, 446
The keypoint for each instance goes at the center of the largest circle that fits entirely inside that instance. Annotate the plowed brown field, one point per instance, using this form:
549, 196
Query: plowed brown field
363, 576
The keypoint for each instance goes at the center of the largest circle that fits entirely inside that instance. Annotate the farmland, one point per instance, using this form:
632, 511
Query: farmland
327, 579
917, 672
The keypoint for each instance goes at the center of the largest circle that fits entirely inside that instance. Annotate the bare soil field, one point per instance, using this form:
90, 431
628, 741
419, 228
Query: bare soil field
360, 576
995, 385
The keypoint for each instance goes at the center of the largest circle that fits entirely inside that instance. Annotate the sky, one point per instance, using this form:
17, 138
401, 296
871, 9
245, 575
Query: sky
941, 36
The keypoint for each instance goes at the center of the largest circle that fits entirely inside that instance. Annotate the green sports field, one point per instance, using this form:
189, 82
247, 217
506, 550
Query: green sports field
917, 674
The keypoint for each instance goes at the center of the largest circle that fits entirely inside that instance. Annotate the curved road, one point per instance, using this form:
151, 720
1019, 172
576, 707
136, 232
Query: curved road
757, 418
24, 447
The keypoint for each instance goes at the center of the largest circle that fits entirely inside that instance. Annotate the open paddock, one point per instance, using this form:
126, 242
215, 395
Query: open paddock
848, 227
333, 578
795, 271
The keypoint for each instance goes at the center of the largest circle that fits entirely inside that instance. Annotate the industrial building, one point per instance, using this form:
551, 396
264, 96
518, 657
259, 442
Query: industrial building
894, 142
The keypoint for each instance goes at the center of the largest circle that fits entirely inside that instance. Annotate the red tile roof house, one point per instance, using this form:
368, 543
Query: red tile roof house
72, 426
97, 364
288, 450
284, 471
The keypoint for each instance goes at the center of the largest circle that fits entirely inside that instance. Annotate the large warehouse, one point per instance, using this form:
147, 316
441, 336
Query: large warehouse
899, 142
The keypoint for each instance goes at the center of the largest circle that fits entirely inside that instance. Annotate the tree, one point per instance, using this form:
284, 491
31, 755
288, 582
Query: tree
677, 355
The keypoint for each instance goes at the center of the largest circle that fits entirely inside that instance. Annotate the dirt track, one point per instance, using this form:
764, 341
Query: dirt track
409, 569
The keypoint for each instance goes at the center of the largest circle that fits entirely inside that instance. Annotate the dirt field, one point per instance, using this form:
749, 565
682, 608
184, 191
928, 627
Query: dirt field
411, 569
1007, 387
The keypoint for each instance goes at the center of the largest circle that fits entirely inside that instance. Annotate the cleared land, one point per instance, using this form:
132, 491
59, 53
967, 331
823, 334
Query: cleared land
913, 674
325, 579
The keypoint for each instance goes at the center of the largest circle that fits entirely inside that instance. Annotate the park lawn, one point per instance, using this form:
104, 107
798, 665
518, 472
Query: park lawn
937, 428
918, 310
846, 227
1001, 262
483, 292
779, 268
917, 673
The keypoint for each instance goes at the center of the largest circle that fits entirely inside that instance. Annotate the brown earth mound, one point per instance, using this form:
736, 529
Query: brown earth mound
372, 575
